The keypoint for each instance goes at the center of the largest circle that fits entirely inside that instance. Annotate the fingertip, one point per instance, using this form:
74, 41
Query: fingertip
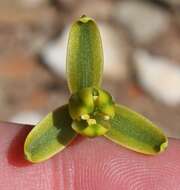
86, 164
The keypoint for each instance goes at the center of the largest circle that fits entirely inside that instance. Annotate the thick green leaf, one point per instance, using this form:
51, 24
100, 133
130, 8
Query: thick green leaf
135, 132
49, 136
84, 63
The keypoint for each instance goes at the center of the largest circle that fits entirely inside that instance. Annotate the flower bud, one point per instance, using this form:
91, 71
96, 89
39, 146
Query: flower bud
105, 103
81, 103
89, 130
91, 108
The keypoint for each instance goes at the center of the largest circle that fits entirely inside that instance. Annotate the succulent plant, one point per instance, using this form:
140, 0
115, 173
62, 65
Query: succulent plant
91, 111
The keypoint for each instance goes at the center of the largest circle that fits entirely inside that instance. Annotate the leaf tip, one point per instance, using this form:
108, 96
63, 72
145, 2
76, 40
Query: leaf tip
85, 19
163, 146
27, 154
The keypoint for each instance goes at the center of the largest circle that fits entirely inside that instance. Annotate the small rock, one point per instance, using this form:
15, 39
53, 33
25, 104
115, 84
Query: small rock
143, 19
116, 52
27, 117
79, 7
67, 4
173, 2
18, 4
26, 29
167, 44
158, 76
177, 15
2, 95
33, 3
104, 10
54, 53
115, 47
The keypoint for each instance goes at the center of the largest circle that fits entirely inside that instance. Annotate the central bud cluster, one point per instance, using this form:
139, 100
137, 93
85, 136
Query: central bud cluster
91, 109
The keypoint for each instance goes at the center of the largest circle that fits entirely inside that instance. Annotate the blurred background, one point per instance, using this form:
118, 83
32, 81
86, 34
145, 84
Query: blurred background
141, 40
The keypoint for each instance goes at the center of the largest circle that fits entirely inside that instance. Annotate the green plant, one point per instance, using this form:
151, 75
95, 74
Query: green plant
90, 111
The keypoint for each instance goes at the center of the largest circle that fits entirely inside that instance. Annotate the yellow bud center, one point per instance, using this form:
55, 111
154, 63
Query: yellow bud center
91, 121
85, 117
106, 117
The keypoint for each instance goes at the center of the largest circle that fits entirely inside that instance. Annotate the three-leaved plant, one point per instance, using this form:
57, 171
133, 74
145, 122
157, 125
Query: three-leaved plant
91, 111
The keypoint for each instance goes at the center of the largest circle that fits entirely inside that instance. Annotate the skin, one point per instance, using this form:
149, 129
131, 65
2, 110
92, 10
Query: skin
87, 164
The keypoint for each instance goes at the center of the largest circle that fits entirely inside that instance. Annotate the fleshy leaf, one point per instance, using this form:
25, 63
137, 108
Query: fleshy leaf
49, 136
84, 63
135, 132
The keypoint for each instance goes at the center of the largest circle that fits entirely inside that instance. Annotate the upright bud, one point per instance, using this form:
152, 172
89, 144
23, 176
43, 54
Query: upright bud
89, 108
